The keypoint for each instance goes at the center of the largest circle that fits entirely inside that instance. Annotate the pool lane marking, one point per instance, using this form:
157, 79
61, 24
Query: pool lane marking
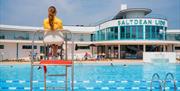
12, 88
105, 88
84, 81
89, 88
9, 81
26, 88
111, 81
98, 81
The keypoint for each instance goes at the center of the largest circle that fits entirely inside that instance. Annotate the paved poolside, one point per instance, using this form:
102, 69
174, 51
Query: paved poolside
90, 62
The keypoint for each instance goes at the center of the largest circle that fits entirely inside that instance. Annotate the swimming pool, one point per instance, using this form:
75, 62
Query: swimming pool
90, 77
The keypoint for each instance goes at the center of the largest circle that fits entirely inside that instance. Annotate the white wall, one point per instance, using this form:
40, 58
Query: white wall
25, 53
135, 14
150, 56
9, 51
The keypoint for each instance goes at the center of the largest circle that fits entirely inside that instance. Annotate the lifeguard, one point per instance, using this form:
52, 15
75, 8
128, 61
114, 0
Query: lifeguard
52, 26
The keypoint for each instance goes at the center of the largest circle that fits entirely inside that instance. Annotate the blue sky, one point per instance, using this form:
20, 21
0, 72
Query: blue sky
84, 12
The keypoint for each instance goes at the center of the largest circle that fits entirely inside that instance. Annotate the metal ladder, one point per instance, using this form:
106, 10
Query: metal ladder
163, 82
173, 79
152, 80
55, 75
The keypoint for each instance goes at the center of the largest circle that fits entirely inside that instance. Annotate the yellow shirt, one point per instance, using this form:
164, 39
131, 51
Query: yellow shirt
57, 24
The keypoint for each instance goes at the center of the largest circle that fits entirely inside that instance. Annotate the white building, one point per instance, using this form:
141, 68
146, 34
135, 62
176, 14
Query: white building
126, 36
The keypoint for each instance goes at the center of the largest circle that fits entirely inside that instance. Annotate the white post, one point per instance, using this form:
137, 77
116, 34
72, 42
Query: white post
173, 48
119, 51
144, 32
144, 48
112, 51
164, 48
105, 34
118, 32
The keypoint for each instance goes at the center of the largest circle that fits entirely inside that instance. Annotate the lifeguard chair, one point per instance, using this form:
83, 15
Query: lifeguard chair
45, 62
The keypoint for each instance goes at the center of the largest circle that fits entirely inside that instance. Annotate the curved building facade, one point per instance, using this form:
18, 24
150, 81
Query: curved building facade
130, 33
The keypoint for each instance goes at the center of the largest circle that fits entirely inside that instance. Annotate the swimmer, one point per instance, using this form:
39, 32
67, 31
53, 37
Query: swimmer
39, 67
112, 64
124, 65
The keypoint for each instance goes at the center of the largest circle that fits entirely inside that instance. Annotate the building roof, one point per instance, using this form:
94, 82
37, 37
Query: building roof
124, 12
173, 31
74, 29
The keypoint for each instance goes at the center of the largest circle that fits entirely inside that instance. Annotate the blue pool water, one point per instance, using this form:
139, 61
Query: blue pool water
134, 77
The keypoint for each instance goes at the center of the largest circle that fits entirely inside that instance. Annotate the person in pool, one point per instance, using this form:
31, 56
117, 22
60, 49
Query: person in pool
53, 24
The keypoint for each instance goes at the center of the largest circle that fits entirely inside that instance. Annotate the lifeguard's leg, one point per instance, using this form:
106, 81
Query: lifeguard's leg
54, 49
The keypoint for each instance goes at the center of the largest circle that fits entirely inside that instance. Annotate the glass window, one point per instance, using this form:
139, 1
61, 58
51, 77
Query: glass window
1, 46
148, 32
28, 47
140, 32
42, 49
116, 32
92, 37
177, 48
134, 34
122, 32
21, 35
102, 34
177, 36
128, 32
112, 33
153, 32
81, 37
83, 47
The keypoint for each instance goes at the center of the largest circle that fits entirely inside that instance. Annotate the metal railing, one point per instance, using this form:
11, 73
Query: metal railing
173, 79
162, 83
152, 80
45, 56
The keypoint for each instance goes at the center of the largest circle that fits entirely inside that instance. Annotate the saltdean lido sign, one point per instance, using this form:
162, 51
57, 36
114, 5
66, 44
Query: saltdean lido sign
156, 22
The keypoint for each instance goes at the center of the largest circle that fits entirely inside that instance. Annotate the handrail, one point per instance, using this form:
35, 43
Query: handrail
63, 31
158, 77
165, 80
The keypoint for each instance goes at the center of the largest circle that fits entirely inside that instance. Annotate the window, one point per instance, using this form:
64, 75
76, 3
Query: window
92, 37
1, 46
2, 37
148, 32
177, 37
153, 32
42, 48
28, 47
116, 32
122, 32
140, 32
177, 48
134, 33
83, 47
128, 32
81, 37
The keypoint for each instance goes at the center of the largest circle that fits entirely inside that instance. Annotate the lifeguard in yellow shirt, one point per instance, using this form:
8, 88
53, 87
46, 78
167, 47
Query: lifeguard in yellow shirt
52, 25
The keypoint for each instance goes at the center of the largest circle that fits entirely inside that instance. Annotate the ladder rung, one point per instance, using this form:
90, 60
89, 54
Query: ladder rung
55, 88
56, 74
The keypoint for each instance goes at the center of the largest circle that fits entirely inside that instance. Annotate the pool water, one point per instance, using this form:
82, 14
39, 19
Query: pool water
91, 77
